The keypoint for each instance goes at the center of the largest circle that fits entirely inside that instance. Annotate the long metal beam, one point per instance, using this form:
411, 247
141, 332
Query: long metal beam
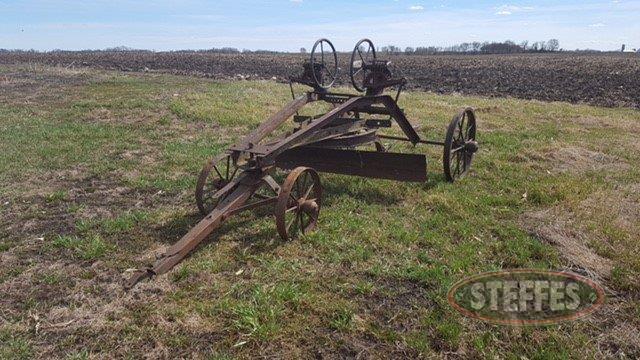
378, 165
276, 120
247, 185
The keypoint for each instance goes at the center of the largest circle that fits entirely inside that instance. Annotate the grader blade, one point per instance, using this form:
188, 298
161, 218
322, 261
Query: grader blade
376, 165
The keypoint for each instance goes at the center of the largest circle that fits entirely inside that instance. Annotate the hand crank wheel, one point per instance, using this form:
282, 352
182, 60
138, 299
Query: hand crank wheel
298, 203
325, 63
363, 53
215, 175
460, 145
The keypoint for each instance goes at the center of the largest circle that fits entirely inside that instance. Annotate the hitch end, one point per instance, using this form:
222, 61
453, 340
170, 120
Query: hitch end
137, 276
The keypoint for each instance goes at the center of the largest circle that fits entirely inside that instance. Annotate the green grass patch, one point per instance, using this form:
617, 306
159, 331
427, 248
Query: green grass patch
86, 248
385, 253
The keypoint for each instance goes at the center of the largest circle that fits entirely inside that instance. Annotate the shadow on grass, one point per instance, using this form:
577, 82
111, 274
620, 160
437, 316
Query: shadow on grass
266, 239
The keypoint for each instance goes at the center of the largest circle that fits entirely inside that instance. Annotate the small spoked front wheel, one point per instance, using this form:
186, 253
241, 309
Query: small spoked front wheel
298, 204
215, 175
460, 145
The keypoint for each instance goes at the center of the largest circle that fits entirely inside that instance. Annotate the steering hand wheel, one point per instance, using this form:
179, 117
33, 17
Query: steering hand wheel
328, 69
363, 53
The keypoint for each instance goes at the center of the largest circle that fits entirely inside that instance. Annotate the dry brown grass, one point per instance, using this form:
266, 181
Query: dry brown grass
113, 185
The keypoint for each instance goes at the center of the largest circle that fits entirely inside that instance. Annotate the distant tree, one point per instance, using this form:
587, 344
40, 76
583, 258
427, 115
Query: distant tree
390, 49
553, 45
224, 50
536, 47
507, 47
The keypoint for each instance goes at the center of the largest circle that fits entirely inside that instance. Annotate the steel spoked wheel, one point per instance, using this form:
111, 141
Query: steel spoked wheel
324, 63
460, 145
362, 54
298, 203
215, 175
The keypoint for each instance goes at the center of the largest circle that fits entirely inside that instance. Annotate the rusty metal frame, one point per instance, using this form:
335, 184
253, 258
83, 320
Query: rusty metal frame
325, 142
334, 129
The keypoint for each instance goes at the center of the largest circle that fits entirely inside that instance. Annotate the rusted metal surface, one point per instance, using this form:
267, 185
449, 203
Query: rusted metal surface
349, 141
460, 145
214, 177
329, 142
299, 202
275, 120
371, 164
247, 184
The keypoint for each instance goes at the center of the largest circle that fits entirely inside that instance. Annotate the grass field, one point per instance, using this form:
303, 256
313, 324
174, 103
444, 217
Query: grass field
97, 171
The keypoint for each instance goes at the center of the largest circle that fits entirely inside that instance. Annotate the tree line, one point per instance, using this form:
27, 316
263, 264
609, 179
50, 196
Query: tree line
506, 47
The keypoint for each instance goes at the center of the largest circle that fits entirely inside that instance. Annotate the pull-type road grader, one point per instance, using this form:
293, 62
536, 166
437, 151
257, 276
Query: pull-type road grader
329, 142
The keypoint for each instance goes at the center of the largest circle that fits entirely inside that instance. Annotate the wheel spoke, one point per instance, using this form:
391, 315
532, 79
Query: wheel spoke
360, 54
294, 220
306, 195
303, 182
461, 123
330, 73
299, 222
297, 188
235, 170
303, 225
217, 171
469, 127
460, 136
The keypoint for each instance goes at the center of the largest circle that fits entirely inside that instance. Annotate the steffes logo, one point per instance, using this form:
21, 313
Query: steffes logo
526, 297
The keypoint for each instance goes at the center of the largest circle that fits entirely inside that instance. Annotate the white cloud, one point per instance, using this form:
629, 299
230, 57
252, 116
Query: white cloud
511, 9
296, 1
416, 8
597, 25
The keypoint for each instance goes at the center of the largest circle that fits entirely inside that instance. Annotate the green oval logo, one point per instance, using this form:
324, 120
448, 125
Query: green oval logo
526, 297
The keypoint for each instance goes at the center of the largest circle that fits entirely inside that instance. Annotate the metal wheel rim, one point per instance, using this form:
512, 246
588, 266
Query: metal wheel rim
457, 161
333, 75
352, 71
291, 220
215, 174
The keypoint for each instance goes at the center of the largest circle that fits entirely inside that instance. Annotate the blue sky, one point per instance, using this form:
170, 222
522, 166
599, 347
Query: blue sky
291, 24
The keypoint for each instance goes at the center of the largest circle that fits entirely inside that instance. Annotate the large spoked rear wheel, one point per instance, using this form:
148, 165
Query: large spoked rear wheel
215, 175
460, 145
298, 204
